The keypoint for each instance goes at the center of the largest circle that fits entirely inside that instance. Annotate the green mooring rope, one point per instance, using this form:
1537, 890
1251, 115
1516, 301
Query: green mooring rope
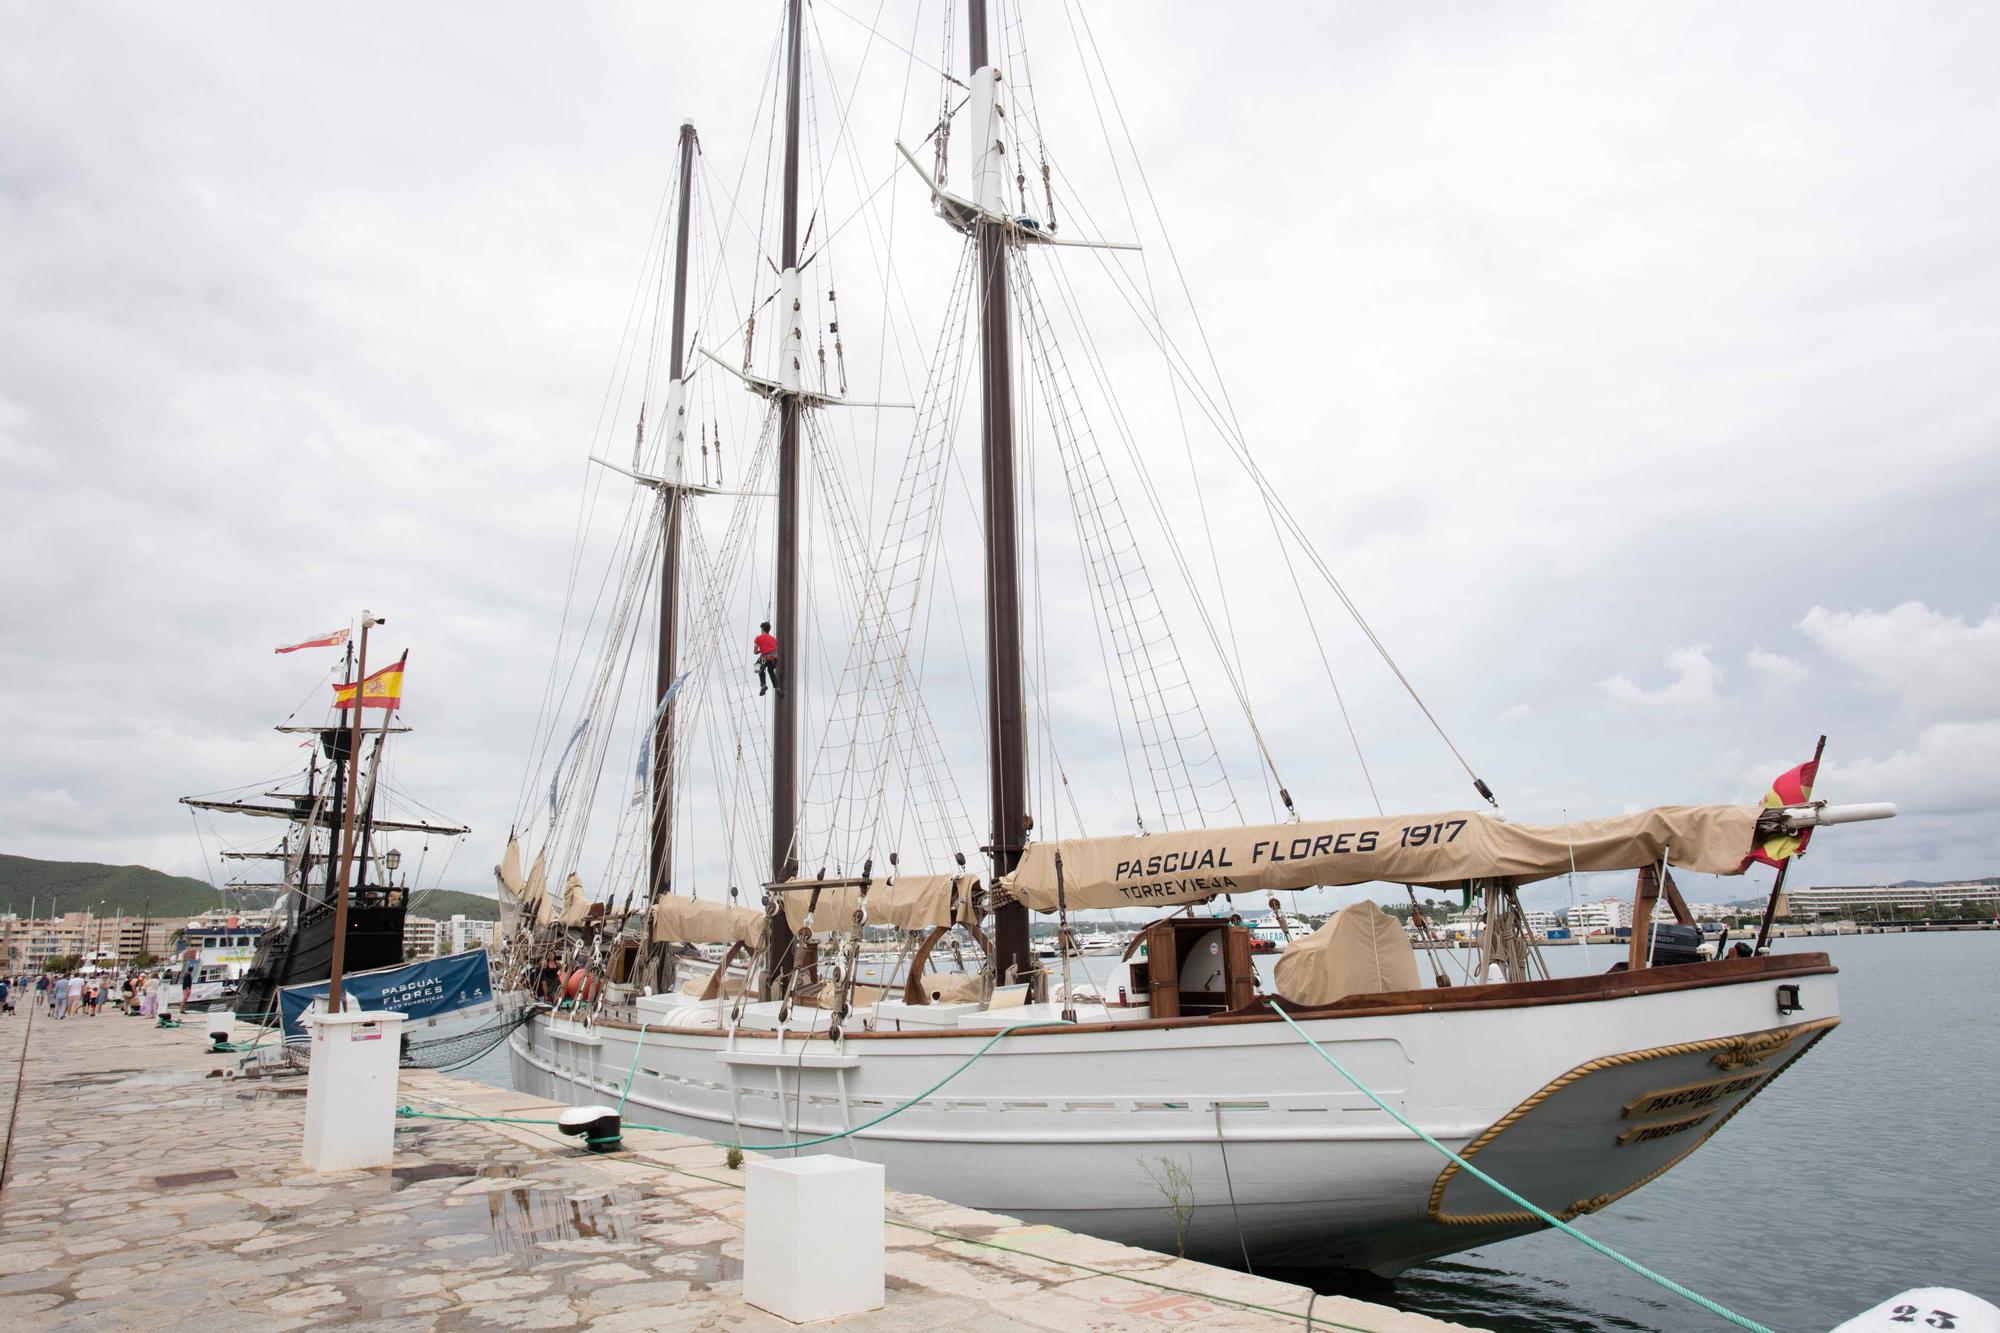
1676, 1288
412, 1113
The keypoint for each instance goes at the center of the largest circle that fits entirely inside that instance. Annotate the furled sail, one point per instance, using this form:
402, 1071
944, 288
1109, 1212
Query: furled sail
536, 891
1195, 865
914, 902
514, 904
685, 920
576, 904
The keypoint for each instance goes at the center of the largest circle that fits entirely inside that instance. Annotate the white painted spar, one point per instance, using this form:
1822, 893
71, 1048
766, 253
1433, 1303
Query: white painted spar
988, 128
673, 459
1820, 814
791, 330
1060, 1126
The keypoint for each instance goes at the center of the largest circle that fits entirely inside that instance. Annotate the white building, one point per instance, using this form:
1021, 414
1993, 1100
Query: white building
1847, 900
420, 937
1541, 923
1602, 916
459, 934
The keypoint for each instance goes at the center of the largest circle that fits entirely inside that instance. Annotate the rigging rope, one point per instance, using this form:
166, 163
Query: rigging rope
1546, 1216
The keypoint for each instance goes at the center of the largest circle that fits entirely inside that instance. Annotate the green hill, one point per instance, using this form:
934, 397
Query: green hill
441, 904
75, 886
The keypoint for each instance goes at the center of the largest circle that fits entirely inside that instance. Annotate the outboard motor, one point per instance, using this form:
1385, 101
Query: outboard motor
1675, 944
597, 1126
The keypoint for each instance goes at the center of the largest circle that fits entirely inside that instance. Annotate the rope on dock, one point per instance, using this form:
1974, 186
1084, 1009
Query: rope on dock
1307, 1316
1676, 1288
411, 1113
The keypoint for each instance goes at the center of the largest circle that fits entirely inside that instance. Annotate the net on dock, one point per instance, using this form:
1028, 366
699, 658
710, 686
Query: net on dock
462, 1048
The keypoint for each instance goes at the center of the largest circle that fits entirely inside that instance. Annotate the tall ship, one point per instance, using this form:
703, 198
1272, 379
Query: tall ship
335, 805
802, 652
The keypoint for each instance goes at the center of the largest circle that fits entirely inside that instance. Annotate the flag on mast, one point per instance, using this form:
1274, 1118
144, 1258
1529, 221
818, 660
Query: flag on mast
380, 689
330, 640
1793, 787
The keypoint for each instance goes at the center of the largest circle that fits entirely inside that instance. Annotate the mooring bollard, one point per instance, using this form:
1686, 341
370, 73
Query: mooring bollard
351, 1089
812, 1237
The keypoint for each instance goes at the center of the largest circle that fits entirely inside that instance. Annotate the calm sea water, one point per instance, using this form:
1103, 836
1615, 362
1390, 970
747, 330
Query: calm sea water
1868, 1168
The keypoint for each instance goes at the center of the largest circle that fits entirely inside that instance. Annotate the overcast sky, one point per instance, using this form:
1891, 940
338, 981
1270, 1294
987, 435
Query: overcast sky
1634, 366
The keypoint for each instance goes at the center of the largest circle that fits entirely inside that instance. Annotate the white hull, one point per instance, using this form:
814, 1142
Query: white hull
1054, 1127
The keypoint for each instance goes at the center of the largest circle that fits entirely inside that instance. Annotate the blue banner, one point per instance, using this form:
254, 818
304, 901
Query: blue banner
421, 990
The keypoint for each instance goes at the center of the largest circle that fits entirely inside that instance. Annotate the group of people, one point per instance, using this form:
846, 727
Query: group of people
140, 994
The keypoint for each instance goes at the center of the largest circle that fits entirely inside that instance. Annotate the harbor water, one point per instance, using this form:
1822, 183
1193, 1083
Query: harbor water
1861, 1172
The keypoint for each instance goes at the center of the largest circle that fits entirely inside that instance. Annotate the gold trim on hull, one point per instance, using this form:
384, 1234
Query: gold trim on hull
1730, 1053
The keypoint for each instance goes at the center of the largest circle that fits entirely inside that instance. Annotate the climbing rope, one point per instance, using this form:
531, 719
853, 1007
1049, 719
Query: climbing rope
1676, 1288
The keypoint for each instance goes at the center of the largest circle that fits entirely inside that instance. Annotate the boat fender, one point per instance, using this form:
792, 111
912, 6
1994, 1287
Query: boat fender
580, 985
597, 1126
1927, 1307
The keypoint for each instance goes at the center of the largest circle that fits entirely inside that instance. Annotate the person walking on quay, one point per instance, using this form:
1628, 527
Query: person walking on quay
6, 996
75, 1002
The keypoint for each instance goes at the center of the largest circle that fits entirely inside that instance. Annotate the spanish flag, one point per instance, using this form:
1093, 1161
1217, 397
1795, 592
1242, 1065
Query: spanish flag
382, 689
1793, 787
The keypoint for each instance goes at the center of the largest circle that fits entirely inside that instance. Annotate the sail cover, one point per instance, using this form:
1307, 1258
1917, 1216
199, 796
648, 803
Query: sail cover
1361, 950
685, 920
914, 902
1194, 865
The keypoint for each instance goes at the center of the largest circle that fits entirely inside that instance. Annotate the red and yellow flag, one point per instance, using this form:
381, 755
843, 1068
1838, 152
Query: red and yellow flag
1793, 787
381, 689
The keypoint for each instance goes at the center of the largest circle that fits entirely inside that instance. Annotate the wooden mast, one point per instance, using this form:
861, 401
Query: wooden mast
673, 470
347, 819
1005, 712
786, 623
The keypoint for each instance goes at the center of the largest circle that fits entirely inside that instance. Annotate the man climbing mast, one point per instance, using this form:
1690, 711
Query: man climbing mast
766, 649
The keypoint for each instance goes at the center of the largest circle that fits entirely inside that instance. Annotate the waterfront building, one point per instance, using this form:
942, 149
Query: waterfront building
1854, 899
1602, 917
28, 943
420, 937
459, 933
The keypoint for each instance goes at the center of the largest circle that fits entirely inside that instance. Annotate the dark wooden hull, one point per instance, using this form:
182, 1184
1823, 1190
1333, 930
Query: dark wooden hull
302, 953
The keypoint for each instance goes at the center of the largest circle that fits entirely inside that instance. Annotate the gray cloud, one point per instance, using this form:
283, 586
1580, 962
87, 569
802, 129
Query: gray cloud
1575, 337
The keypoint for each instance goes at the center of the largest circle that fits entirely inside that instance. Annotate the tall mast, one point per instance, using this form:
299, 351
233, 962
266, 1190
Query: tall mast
786, 623
674, 464
1005, 713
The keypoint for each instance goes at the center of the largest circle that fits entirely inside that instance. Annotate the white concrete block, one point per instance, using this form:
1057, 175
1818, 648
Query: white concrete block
351, 1089
813, 1237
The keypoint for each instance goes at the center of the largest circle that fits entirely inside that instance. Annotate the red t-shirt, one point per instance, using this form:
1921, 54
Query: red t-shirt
766, 646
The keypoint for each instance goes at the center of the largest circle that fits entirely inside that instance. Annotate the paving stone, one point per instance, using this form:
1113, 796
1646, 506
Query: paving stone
480, 1226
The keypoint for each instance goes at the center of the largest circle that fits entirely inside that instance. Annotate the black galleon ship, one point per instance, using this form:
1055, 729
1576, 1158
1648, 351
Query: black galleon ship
299, 950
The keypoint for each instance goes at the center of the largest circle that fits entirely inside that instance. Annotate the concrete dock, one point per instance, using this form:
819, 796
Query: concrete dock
144, 1189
